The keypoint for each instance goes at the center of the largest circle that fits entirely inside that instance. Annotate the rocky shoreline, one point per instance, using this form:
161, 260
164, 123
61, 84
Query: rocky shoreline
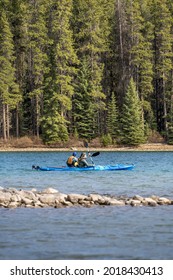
13, 198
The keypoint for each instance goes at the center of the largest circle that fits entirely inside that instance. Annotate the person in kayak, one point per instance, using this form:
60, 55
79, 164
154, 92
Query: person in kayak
82, 160
72, 161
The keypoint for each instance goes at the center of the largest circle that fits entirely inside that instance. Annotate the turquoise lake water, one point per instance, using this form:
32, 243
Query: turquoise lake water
88, 233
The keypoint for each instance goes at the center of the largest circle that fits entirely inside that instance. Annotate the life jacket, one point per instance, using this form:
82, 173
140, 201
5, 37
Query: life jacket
70, 161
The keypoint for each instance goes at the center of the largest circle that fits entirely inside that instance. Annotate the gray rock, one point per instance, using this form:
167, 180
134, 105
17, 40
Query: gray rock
138, 197
155, 197
61, 197
75, 198
34, 190
164, 200
86, 203
149, 201
13, 205
96, 198
5, 197
67, 203
116, 202
135, 202
26, 201
16, 198
27, 194
50, 191
47, 199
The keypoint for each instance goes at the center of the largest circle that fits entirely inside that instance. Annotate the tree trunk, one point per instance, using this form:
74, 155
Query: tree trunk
4, 131
120, 35
37, 115
17, 122
165, 111
8, 121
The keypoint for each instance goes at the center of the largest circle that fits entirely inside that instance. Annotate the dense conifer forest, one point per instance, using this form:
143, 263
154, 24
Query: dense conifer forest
86, 69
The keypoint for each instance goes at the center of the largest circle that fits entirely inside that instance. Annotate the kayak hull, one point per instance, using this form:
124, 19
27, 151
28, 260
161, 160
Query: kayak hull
116, 167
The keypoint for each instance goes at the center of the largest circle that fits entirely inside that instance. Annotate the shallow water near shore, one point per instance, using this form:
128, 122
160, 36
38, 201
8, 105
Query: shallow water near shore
111, 232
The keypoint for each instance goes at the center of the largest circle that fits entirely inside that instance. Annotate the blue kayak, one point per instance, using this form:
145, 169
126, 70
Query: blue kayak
89, 168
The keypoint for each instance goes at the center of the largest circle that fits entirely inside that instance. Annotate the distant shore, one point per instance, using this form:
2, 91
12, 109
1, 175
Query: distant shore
143, 147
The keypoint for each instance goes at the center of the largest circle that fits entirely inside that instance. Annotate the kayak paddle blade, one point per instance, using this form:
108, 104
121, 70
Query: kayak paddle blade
95, 154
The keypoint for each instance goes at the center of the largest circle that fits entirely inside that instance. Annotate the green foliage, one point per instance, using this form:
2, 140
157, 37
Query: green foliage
163, 22
63, 62
141, 51
59, 78
112, 118
90, 44
106, 140
170, 135
132, 126
54, 129
75, 134
83, 110
9, 90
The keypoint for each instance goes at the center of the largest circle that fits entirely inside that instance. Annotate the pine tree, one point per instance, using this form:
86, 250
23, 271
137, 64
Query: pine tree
90, 45
169, 90
161, 19
83, 113
170, 124
132, 126
9, 90
141, 53
112, 118
59, 87
19, 26
37, 59
120, 46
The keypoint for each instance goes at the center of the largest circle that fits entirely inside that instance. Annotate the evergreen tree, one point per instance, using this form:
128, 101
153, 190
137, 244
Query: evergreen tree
170, 124
37, 60
141, 53
18, 18
162, 45
59, 79
9, 91
82, 112
90, 44
132, 54
132, 126
120, 46
112, 118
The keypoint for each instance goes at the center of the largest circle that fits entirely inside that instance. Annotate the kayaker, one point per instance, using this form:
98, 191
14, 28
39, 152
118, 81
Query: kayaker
72, 161
82, 160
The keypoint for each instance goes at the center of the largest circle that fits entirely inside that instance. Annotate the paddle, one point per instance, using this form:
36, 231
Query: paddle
94, 154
